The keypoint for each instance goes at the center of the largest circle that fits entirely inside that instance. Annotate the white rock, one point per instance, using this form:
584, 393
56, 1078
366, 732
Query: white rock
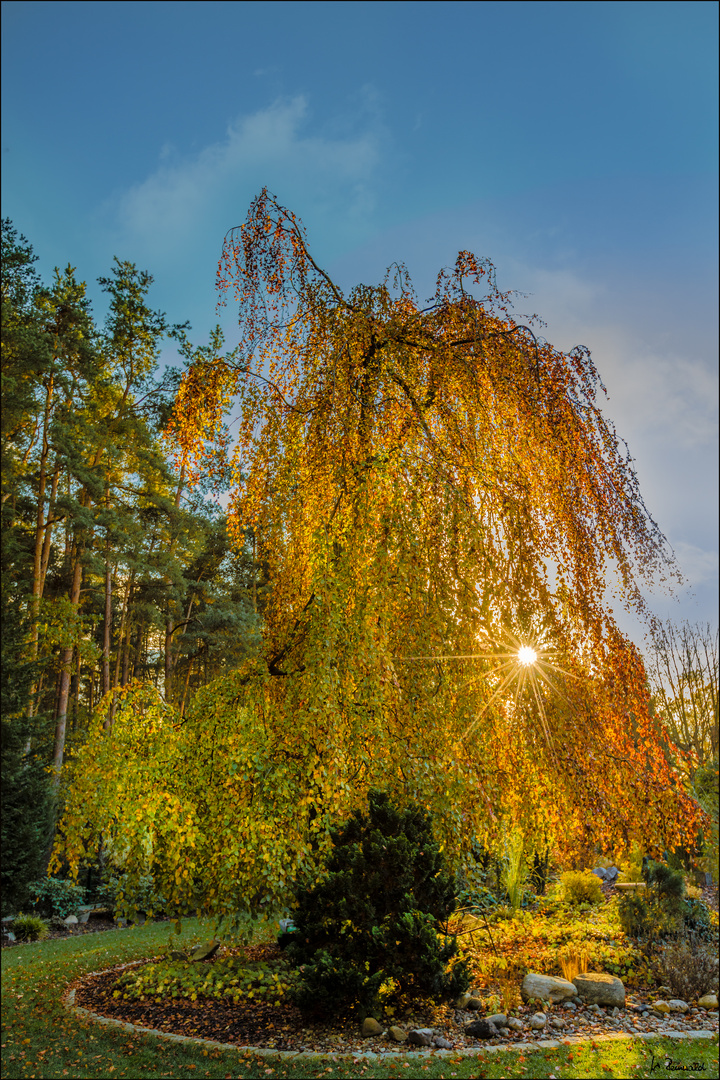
547, 988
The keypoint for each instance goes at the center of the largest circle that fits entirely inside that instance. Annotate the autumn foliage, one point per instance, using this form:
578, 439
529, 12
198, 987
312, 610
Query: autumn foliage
429, 487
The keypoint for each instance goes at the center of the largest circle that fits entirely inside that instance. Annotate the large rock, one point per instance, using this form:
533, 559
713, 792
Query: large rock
498, 1019
462, 1001
397, 1034
597, 988
371, 1027
547, 988
678, 1005
481, 1029
420, 1037
71, 920
708, 1001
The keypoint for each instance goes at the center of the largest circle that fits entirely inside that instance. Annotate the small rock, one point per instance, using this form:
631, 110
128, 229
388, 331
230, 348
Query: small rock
498, 1019
370, 1027
71, 920
661, 1006
678, 1006
398, 1034
462, 1001
570, 1005
514, 1024
480, 1029
547, 988
616, 1011
664, 991
558, 1023
708, 1001
442, 1044
205, 952
537, 1021
419, 1037
85, 916
474, 1003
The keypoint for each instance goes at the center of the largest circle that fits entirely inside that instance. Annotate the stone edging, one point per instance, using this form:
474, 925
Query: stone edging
300, 1055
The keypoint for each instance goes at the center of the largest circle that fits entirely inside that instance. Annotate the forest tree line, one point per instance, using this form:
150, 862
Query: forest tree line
113, 567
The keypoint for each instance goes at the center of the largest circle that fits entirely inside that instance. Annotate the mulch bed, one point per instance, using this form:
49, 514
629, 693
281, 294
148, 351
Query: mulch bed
279, 1027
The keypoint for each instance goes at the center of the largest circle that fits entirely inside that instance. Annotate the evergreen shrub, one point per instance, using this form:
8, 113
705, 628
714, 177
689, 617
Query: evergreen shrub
56, 896
373, 927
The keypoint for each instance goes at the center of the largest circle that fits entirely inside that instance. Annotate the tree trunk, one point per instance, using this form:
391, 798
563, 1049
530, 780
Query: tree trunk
65, 662
107, 620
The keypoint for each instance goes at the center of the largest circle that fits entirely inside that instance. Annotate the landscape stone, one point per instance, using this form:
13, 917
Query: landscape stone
398, 1034
9, 935
205, 952
498, 1019
177, 955
370, 1027
661, 1006
611, 873
708, 1001
462, 1001
481, 1029
514, 1024
538, 1021
599, 872
547, 988
678, 1005
420, 1037
474, 1003
85, 916
442, 1044
597, 988
71, 920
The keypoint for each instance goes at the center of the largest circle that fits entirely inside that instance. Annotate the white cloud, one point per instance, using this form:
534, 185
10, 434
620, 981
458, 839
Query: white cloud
180, 200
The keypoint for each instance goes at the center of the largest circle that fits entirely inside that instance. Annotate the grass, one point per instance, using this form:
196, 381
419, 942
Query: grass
40, 1039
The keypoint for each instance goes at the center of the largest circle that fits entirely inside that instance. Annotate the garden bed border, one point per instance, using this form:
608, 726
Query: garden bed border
68, 1001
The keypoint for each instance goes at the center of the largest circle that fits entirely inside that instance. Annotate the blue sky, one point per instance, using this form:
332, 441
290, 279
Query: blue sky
572, 143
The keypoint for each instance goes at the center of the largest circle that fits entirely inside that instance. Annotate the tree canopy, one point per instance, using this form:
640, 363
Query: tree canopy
430, 489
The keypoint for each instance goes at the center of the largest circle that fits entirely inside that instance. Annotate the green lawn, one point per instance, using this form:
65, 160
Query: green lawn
41, 1039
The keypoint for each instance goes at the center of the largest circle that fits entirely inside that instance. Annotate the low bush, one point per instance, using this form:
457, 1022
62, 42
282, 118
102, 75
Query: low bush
580, 887
231, 977
56, 896
29, 928
688, 966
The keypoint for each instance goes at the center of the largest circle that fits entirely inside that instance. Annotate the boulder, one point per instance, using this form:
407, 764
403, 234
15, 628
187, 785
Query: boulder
370, 1027
678, 1006
176, 954
442, 1044
661, 1006
599, 872
205, 952
71, 920
462, 1001
474, 1003
398, 1034
597, 988
611, 873
481, 1029
708, 1001
547, 988
538, 1021
420, 1037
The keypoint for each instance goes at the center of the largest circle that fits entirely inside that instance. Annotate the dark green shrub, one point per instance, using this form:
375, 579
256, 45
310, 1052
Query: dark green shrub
56, 896
372, 928
657, 911
29, 928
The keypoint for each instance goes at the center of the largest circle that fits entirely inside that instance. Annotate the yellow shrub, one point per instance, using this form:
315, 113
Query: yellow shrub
581, 887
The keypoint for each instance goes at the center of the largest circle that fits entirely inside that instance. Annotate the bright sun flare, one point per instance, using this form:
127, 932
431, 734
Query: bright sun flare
526, 655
